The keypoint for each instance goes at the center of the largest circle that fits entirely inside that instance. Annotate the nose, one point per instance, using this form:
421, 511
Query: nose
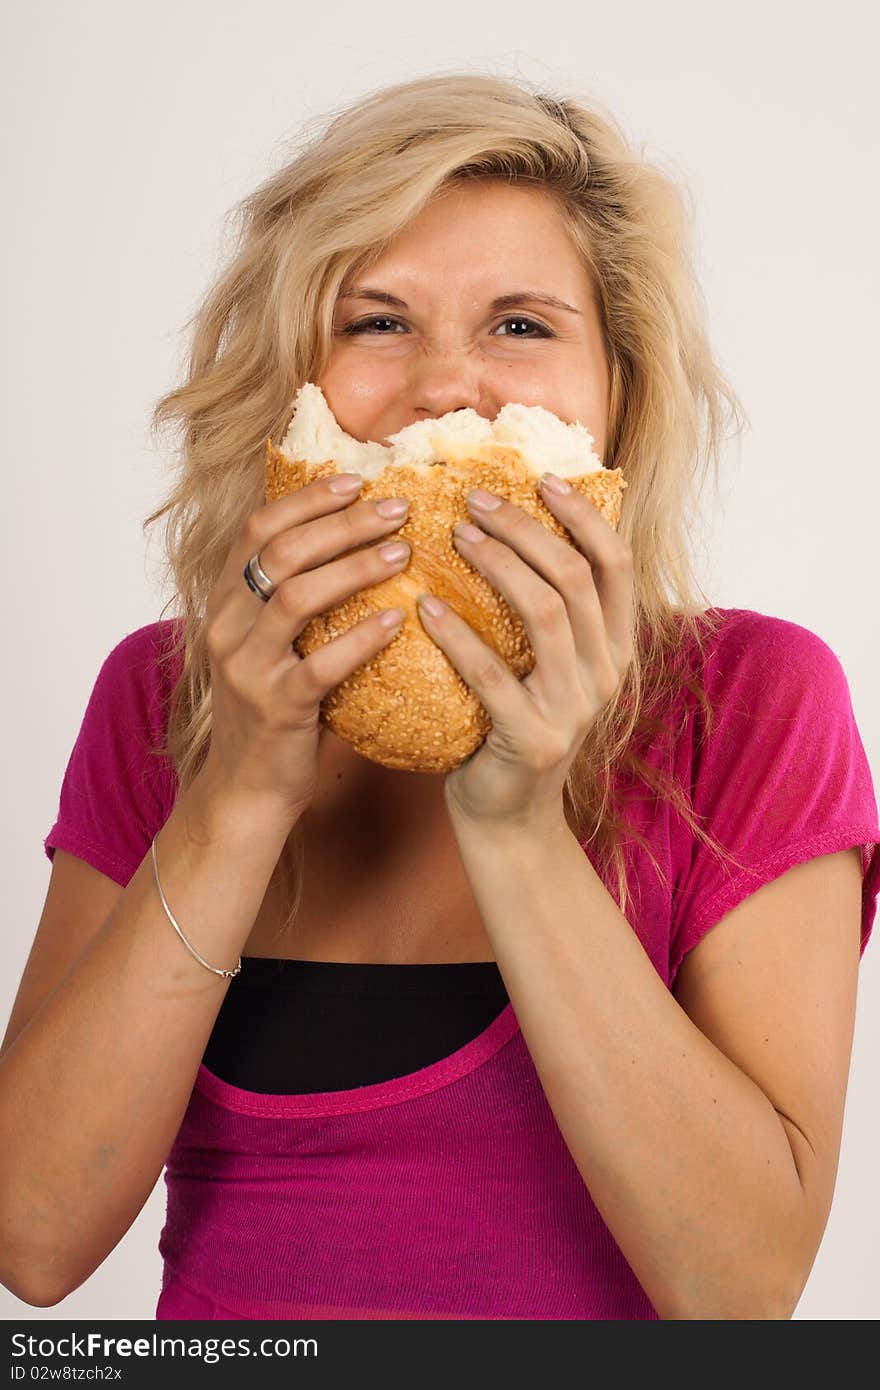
446, 381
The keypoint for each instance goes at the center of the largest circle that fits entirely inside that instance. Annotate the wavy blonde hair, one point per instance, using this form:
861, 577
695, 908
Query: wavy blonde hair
265, 327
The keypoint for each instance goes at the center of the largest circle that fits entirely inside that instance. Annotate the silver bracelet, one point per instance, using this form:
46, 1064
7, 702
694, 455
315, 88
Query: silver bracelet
227, 974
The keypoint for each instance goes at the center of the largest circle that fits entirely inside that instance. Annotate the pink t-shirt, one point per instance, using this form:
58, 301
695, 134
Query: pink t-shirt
449, 1192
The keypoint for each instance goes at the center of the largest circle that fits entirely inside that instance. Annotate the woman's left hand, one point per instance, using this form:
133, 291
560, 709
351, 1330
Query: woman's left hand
576, 605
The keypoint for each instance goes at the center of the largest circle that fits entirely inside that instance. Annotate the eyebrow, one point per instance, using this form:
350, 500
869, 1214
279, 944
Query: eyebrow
503, 301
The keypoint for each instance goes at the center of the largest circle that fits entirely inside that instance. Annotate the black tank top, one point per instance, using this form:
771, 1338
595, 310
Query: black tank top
291, 1027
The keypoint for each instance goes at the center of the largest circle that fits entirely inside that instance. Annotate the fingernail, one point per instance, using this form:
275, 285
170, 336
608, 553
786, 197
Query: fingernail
466, 532
392, 553
554, 484
479, 498
392, 506
434, 607
345, 482
392, 617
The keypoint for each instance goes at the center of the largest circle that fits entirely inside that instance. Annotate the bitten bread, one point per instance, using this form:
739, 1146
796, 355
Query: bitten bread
407, 707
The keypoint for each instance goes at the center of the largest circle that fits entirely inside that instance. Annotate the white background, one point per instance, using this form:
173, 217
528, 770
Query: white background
130, 132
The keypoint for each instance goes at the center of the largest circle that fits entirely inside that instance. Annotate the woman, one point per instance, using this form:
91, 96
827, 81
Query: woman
532, 1040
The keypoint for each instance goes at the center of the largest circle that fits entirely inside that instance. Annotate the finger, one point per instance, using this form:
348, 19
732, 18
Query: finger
306, 595
307, 504
540, 604
289, 550
224, 609
592, 568
323, 669
568, 598
481, 668
610, 560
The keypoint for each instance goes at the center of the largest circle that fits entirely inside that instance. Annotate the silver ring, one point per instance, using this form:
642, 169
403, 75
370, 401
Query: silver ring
258, 580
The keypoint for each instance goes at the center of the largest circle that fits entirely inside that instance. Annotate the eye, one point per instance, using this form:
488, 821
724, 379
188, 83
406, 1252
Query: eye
528, 323
366, 325
362, 325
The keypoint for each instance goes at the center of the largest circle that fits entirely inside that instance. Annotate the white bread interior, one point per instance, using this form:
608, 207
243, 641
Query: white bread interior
544, 443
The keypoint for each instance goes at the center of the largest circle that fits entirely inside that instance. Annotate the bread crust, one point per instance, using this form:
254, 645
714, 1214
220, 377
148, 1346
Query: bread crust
407, 707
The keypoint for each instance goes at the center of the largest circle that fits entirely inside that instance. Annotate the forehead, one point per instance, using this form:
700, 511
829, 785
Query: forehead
477, 231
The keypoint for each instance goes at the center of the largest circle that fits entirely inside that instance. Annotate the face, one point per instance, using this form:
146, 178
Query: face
420, 333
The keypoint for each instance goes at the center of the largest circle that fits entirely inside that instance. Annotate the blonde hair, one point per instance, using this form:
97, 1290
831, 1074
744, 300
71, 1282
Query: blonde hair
265, 327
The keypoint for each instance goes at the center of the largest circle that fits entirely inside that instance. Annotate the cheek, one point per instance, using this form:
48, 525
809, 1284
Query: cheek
358, 392
582, 394
592, 411
568, 392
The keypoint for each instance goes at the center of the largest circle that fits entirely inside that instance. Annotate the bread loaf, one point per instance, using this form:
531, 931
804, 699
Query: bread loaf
407, 707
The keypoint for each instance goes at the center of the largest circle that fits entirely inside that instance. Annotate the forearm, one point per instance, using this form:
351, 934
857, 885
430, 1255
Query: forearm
93, 1088
684, 1156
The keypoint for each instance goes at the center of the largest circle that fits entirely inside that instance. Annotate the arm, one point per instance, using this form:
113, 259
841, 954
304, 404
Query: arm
683, 1151
94, 1084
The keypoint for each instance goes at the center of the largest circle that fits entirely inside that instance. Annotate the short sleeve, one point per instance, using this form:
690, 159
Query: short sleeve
780, 777
116, 792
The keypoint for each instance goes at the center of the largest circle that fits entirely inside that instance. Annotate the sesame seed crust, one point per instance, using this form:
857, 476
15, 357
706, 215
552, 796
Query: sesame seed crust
407, 707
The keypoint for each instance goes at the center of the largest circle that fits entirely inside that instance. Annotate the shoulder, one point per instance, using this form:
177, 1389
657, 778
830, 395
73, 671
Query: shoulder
774, 661
778, 717
776, 770
743, 632
146, 656
146, 644
132, 690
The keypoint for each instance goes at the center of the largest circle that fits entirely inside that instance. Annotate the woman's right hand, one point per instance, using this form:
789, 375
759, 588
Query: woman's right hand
265, 698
